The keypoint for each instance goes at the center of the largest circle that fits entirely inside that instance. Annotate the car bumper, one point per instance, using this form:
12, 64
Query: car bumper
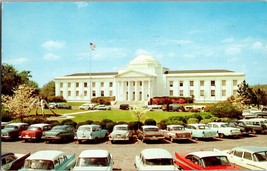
153, 138
119, 138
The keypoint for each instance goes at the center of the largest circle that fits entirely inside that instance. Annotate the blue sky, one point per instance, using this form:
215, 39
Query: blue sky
52, 39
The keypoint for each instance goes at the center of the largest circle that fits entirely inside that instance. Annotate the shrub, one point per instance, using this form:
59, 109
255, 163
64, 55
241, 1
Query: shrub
6, 116
104, 122
109, 126
135, 125
56, 99
69, 122
205, 121
34, 120
225, 109
192, 121
150, 122
162, 124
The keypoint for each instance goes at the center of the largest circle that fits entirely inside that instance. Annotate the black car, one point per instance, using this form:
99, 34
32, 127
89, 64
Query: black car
124, 107
245, 130
63, 106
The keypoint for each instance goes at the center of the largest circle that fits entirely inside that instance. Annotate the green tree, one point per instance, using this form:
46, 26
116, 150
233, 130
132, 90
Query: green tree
246, 93
225, 109
48, 90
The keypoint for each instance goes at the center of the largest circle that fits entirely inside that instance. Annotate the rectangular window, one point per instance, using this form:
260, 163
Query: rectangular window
84, 84
102, 84
102, 93
77, 84
212, 83
110, 84
234, 82
212, 93
77, 93
61, 85
93, 84
61, 93
110, 93
191, 83
69, 85
140, 83
171, 83
171, 92
133, 83
202, 83
191, 92
93, 93
181, 83
127, 83
85, 93
202, 93
223, 93
223, 82
69, 93
181, 93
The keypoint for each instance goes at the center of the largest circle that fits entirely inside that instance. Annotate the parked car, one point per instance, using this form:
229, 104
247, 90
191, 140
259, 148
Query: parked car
202, 131
102, 107
90, 132
249, 157
34, 132
124, 106
257, 125
203, 160
173, 107
120, 132
63, 106
154, 106
11, 161
150, 132
4, 124
52, 105
59, 133
245, 130
13, 130
177, 132
224, 129
49, 160
87, 106
154, 159
94, 160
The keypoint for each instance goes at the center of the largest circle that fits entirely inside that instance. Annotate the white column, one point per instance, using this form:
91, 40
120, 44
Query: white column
136, 91
129, 91
143, 90
149, 90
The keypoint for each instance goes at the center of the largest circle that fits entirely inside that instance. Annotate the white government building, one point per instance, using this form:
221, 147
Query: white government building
144, 78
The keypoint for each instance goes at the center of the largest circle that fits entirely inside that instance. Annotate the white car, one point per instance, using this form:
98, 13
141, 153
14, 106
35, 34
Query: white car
154, 159
177, 132
249, 157
94, 160
120, 133
224, 129
87, 106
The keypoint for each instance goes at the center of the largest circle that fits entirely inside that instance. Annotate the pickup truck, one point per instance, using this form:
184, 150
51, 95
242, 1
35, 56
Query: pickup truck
90, 132
49, 160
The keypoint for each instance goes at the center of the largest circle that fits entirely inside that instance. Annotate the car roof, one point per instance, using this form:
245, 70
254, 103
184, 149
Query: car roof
202, 154
39, 124
175, 125
91, 125
94, 153
153, 153
252, 149
18, 124
149, 126
197, 124
126, 125
45, 154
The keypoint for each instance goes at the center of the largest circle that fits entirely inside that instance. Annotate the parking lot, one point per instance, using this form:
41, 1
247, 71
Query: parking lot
124, 154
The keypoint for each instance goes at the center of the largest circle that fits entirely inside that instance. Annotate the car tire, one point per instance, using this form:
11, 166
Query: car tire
221, 135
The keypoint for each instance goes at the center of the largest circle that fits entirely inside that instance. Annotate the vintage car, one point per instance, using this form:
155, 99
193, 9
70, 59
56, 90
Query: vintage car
224, 129
63, 106
245, 130
258, 126
249, 157
49, 160
13, 130
34, 132
177, 132
94, 160
201, 131
150, 132
59, 133
203, 160
120, 133
87, 106
90, 132
102, 107
154, 159
11, 161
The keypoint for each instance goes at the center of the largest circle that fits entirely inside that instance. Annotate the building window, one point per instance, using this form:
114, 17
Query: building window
77, 93
110, 84
102, 93
133, 83
140, 83
110, 93
181, 83
77, 84
223, 82
127, 83
93, 93
102, 84
223, 93
191, 83
69, 85
181, 93
234, 82
202, 83
69, 93
61, 85
85, 85
61, 93
85, 93
202, 93
191, 93
171, 83
212, 93
93, 84
171, 92
212, 83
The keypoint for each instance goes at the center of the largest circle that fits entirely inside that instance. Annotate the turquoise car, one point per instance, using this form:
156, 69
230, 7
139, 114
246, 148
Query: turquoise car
59, 133
49, 160
90, 132
202, 131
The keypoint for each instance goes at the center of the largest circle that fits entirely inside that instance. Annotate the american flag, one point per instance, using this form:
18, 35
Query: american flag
92, 46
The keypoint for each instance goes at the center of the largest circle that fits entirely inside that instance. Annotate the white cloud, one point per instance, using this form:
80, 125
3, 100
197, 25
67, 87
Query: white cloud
51, 44
232, 51
228, 40
257, 45
81, 4
16, 61
51, 57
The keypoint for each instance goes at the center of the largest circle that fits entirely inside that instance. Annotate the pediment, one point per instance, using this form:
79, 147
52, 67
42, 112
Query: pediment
133, 73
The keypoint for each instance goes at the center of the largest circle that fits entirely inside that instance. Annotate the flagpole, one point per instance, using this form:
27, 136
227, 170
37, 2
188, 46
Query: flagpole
90, 72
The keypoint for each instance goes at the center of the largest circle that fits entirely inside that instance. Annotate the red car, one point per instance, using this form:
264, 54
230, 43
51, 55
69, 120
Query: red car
203, 160
34, 132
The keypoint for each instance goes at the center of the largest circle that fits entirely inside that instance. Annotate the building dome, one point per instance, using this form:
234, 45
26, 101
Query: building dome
143, 59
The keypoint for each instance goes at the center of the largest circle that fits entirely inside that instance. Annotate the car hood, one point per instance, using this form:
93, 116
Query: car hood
108, 168
53, 132
30, 131
169, 168
8, 130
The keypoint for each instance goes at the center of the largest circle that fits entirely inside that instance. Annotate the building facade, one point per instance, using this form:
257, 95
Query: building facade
144, 78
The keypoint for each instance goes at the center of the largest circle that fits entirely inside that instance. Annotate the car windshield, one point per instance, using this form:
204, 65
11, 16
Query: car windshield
151, 129
58, 128
216, 161
39, 164
178, 128
241, 124
11, 127
164, 161
85, 162
224, 125
34, 128
122, 128
84, 129
260, 156
203, 127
